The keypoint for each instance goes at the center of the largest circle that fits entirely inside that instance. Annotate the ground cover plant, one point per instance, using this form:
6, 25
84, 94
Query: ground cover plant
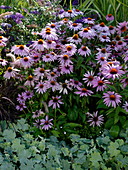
72, 76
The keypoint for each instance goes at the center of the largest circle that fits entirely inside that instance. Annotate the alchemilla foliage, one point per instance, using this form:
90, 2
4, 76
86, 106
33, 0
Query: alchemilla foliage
21, 150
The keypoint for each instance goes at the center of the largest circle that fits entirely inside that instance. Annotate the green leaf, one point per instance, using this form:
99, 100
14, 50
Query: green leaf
109, 123
65, 151
9, 135
112, 149
65, 164
55, 133
72, 125
114, 131
125, 124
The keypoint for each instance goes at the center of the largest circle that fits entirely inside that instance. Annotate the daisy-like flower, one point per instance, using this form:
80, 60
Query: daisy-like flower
66, 69
35, 57
88, 20
26, 62
125, 106
46, 123
101, 27
21, 98
30, 81
100, 83
64, 87
21, 106
27, 95
120, 45
65, 59
102, 52
74, 39
87, 33
70, 49
11, 72
2, 43
112, 29
83, 92
49, 34
125, 82
89, 78
77, 11
37, 113
37, 123
95, 119
112, 71
104, 38
39, 45
101, 60
3, 62
47, 58
52, 76
53, 84
70, 13
122, 27
40, 72
75, 26
2, 38
75, 83
41, 87
84, 50
20, 50
111, 99
109, 17
55, 102
50, 44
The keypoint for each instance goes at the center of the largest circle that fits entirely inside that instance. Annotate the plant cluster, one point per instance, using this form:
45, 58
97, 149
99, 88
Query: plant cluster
73, 75
20, 149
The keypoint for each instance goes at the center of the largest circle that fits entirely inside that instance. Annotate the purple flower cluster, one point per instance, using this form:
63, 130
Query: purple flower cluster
50, 65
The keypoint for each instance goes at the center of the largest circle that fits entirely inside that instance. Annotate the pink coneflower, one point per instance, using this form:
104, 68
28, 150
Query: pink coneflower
101, 60
111, 98
41, 87
94, 119
74, 39
37, 113
122, 27
120, 45
39, 45
65, 59
30, 81
112, 29
10, 72
35, 57
55, 102
21, 98
49, 34
109, 17
87, 33
2, 38
112, 71
103, 52
88, 20
75, 83
83, 92
20, 50
37, 123
125, 106
104, 38
89, 78
26, 62
70, 13
84, 50
21, 106
101, 27
2, 43
50, 44
52, 75
53, 55
46, 123
3, 62
100, 83
64, 87
53, 84
66, 69
47, 58
125, 82
75, 26
53, 25
27, 95
77, 11
40, 72
70, 49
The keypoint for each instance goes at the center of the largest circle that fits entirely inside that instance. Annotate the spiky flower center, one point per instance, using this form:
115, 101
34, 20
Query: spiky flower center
118, 38
36, 57
123, 29
74, 24
75, 36
25, 59
90, 78
47, 56
109, 15
49, 41
55, 100
113, 71
65, 57
89, 19
76, 82
46, 122
84, 90
102, 24
21, 47
48, 32
41, 86
102, 58
30, 78
104, 36
52, 82
111, 27
9, 69
84, 48
103, 50
85, 30
53, 25
1, 37
42, 70
120, 42
69, 48
70, 11
112, 97
53, 74
40, 41
64, 85
100, 82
